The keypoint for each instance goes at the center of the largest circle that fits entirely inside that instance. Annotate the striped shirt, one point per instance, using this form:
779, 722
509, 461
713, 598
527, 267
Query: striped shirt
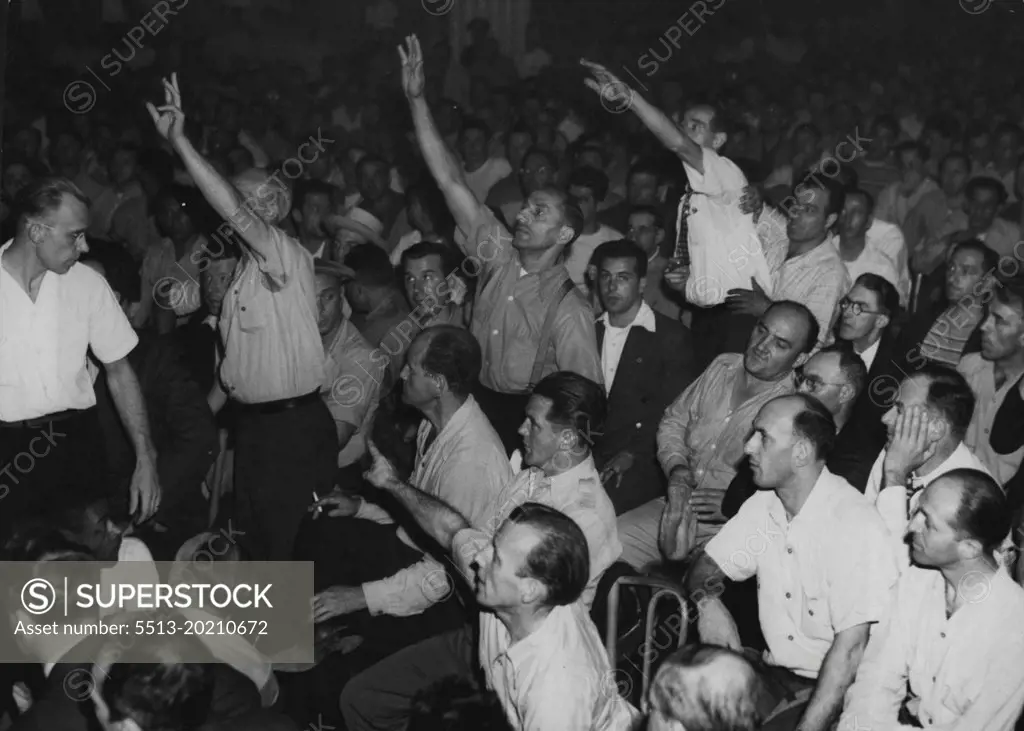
702, 432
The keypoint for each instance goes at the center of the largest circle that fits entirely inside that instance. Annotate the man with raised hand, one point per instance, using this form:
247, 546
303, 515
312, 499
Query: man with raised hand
272, 366
527, 317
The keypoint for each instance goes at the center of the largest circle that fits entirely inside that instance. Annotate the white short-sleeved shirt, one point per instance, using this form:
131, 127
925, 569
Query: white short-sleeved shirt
44, 344
828, 569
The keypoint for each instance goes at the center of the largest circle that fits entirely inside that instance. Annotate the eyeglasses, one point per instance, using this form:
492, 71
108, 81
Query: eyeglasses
856, 307
813, 383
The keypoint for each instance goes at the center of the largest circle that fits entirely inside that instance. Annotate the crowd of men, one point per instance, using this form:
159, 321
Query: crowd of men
464, 360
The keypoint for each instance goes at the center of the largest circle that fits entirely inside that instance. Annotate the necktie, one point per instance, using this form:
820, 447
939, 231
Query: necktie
682, 249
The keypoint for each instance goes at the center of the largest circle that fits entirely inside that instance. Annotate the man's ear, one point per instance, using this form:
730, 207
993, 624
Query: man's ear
531, 591
803, 453
659, 237
884, 321
643, 284
830, 221
566, 235
718, 140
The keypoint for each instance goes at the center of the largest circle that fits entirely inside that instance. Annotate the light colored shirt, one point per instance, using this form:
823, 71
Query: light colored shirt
579, 494
959, 673
44, 344
868, 356
826, 570
702, 432
725, 252
510, 309
272, 347
817, 279
555, 679
980, 375
481, 180
1002, 237
466, 467
582, 249
172, 281
893, 503
615, 341
351, 388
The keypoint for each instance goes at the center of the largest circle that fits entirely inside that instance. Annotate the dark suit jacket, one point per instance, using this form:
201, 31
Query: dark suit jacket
180, 423
653, 370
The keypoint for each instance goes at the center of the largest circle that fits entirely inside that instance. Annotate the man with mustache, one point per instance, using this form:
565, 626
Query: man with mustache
527, 317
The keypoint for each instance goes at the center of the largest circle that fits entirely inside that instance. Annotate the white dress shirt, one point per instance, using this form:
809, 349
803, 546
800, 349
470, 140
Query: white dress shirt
961, 673
868, 356
892, 502
831, 567
615, 341
885, 254
43, 344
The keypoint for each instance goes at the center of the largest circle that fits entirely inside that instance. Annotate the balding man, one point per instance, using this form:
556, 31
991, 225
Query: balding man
286, 445
529, 318
823, 562
705, 688
700, 439
950, 653
52, 311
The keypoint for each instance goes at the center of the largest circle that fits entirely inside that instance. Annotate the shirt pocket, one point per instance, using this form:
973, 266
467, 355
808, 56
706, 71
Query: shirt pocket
814, 612
253, 302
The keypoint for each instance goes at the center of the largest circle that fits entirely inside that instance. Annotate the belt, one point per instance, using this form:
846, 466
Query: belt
276, 407
41, 420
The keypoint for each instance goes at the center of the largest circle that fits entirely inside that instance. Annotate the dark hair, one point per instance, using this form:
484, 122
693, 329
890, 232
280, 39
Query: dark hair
888, 121
813, 329
989, 257
576, 403
852, 365
431, 199
621, 249
984, 183
814, 423
472, 123
836, 191
955, 155
869, 200
452, 352
457, 704
1011, 294
949, 394
522, 128
593, 180
44, 195
885, 292
645, 167
371, 266
571, 214
648, 210
306, 188
594, 147
561, 561
450, 258
548, 157
983, 513
119, 268
676, 694
164, 694
918, 148
371, 159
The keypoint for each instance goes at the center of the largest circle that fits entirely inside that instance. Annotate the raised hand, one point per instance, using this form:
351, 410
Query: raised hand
382, 474
169, 118
603, 79
413, 80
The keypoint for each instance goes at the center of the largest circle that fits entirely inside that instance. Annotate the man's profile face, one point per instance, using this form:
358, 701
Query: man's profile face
499, 581
215, 280
854, 327
770, 445
776, 345
61, 238
541, 223
932, 532
698, 126
588, 205
913, 392
964, 277
618, 285
645, 231
809, 218
542, 440
328, 303
419, 387
1002, 331
315, 207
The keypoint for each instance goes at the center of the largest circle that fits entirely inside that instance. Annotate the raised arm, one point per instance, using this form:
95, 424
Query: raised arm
616, 92
219, 193
466, 209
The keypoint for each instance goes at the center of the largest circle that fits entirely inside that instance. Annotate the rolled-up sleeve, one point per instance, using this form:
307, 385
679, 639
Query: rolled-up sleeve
728, 548
410, 591
111, 336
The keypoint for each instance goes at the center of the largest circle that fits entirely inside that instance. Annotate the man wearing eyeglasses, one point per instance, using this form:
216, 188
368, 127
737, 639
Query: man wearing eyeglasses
52, 310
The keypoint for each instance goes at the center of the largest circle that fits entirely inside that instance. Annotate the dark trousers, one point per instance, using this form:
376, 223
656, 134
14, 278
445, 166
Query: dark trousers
381, 699
784, 704
48, 466
351, 552
280, 460
506, 412
717, 330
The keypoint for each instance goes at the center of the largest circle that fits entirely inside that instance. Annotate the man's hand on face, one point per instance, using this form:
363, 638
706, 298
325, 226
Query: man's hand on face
912, 444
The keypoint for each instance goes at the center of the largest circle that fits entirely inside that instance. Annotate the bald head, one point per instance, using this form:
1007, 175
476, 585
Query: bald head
703, 687
263, 194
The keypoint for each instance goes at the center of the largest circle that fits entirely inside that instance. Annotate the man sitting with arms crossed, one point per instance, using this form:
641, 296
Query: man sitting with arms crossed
538, 648
700, 439
927, 423
823, 561
950, 653
526, 315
